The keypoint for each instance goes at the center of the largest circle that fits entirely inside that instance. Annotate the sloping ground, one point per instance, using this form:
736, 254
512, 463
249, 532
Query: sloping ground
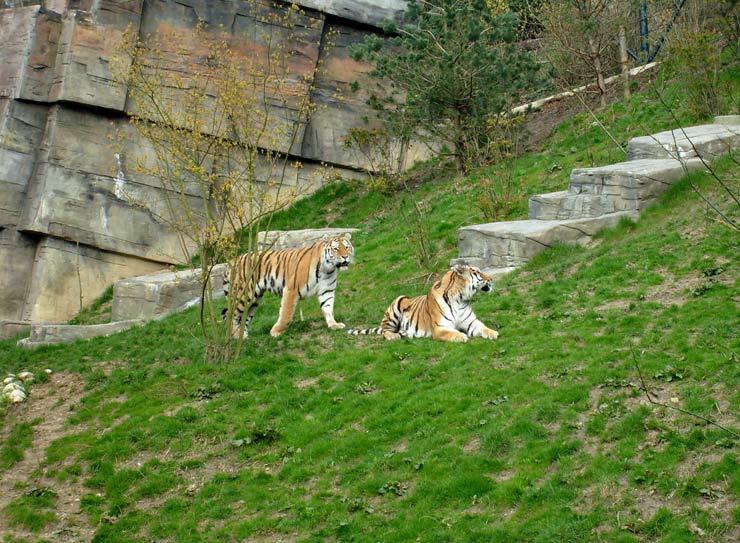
545, 435
26, 481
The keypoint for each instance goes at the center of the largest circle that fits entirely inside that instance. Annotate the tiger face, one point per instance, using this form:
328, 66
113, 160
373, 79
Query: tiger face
338, 251
477, 280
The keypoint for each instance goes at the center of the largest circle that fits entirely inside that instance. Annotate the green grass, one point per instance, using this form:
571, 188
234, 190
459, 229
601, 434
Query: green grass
19, 439
541, 436
98, 312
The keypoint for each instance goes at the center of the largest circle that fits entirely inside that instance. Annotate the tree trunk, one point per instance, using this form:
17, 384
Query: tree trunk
596, 60
623, 62
459, 144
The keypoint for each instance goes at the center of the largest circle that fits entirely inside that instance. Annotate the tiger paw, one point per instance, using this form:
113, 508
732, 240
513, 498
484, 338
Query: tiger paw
275, 331
337, 326
236, 335
490, 334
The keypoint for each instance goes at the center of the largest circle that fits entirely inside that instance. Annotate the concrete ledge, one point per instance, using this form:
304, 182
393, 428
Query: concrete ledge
547, 207
294, 239
45, 334
9, 328
730, 120
157, 295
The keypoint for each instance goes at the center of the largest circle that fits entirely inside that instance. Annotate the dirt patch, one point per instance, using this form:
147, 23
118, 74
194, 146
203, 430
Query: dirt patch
305, 384
472, 446
50, 405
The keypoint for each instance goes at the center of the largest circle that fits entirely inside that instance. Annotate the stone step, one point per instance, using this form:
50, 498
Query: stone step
625, 186
704, 141
599, 197
513, 243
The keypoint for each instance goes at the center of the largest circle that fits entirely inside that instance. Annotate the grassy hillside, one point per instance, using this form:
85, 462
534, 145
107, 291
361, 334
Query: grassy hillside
546, 435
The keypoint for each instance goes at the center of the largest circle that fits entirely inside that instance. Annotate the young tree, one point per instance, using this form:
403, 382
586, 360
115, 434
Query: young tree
455, 68
213, 106
580, 39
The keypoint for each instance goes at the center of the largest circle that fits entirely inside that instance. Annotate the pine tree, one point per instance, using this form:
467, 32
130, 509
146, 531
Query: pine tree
455, 67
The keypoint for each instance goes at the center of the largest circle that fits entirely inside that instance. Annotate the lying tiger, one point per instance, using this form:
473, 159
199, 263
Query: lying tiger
444, 313
293, 274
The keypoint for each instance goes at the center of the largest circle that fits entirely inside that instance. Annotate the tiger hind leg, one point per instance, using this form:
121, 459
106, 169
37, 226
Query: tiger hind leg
287, 309
390, 326
238, 315
235, 323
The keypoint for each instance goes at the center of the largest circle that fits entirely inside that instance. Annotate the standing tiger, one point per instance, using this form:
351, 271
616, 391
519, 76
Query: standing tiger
292, 274
443, 313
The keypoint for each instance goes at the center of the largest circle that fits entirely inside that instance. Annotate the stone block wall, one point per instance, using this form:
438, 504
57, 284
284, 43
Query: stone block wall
69, 225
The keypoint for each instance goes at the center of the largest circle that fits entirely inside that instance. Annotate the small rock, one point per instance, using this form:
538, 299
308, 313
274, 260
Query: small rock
25, 376
48, 371
10, 387
674, 400
8, 380
16, 396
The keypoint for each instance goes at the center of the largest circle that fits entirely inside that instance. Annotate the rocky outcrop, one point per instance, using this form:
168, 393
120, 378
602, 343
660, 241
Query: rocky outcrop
71, 214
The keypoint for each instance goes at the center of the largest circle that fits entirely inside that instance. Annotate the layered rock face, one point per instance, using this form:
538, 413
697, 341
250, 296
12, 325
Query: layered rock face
68, 227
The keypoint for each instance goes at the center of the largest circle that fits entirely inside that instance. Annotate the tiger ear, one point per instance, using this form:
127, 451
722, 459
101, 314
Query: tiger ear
348, 235
459, 269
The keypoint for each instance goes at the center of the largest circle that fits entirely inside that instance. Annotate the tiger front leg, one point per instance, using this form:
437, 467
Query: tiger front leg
478, 329
448, 334
326, 302
287, 310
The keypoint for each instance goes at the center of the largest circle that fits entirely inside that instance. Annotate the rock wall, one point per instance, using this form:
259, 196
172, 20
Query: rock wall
68, 228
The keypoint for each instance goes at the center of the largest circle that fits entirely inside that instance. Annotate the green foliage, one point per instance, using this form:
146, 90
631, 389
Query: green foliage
695, 62
500, 194
457, 68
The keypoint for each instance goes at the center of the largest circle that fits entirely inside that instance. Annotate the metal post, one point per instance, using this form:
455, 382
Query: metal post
644, 45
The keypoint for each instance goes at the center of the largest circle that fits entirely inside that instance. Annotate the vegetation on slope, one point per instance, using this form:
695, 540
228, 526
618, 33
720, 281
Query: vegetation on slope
544, 435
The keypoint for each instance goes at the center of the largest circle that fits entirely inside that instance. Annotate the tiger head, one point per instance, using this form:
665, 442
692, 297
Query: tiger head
469, 280
338, 251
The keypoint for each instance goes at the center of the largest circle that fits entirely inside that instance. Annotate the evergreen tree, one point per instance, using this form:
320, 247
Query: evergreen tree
455, 68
